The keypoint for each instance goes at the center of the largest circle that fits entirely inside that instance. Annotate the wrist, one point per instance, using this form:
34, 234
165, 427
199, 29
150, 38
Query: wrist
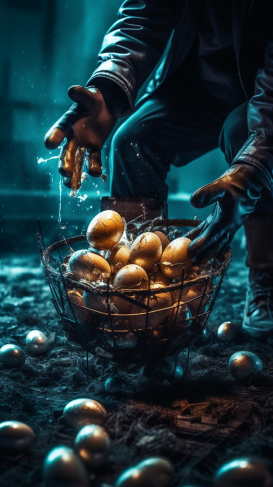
114, 96
258, 171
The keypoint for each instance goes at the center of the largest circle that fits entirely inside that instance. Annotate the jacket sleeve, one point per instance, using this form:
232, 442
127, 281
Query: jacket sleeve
134, 44
258, 149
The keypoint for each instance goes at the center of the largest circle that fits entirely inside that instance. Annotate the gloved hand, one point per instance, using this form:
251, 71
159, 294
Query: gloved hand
86, 125
235, 194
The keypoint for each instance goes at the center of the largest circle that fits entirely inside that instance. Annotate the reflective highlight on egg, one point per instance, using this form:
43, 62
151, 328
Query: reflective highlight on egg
227, 332
12, 356
80, 412
16, 437
146, 250
175, 258
105, 230
242, 365
243, 472
37, 343
62, 468
156, 471
92, 445
89, 266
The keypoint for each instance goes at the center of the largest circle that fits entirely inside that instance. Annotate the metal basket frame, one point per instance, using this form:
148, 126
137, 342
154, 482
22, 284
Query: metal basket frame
92, 337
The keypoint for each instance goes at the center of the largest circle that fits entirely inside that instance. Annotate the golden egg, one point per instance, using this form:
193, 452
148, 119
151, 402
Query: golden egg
76, 300
192, 292
105, 230
80, 412
163, 239
131, 276
63, 468
89, 266
37, 342
158, 277
92, 445
12, 356
118, 257
175, 258
15, 437
156, 302
154, 471
146, 250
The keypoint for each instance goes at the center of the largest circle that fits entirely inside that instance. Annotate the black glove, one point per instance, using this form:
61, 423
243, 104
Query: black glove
86, 125
235, 194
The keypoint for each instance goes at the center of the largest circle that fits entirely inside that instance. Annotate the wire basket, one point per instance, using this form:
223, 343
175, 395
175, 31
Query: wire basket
148, 335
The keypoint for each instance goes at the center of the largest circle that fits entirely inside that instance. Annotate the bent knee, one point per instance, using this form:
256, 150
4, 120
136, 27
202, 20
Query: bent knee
234, 132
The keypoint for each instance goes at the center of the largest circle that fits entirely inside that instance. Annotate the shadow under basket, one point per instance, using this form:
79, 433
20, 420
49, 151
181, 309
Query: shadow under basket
149, 335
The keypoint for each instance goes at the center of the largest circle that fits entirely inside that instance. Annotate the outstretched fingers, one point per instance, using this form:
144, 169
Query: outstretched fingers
207, 240
93, 162
192, 234
66, 162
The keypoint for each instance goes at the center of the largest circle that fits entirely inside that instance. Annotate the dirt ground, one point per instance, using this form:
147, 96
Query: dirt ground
198, 422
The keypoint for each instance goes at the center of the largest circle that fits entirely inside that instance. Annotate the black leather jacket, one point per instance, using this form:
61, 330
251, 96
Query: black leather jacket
152, 37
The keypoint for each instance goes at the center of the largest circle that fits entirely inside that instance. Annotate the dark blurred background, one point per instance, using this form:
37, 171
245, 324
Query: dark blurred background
48, 45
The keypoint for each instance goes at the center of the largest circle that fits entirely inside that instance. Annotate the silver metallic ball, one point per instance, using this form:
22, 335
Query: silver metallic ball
62, 468
15, 437
243, 472
37, 342
92, 445
81, 412
242, 365
227, 332
156, 471
12, 356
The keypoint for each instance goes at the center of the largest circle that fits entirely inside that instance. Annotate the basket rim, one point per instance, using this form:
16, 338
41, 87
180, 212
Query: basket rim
123, 293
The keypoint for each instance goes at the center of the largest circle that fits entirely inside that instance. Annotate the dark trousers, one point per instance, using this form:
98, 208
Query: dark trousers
174, 126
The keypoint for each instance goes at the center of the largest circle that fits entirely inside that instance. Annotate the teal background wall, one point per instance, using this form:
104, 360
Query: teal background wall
48, 45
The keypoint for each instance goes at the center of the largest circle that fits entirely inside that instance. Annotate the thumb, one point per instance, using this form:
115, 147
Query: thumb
207, 195
83, 96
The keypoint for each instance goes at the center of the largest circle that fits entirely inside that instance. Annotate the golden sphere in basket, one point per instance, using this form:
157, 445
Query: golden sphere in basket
175, 258
163, 239
156, 302
129, 277
146, 250
105, 230
118, 257
180, 317
89, 266
157, 276
189, 293
76, 300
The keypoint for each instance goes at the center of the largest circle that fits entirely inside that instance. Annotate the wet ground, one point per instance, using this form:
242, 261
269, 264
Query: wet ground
153, 417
